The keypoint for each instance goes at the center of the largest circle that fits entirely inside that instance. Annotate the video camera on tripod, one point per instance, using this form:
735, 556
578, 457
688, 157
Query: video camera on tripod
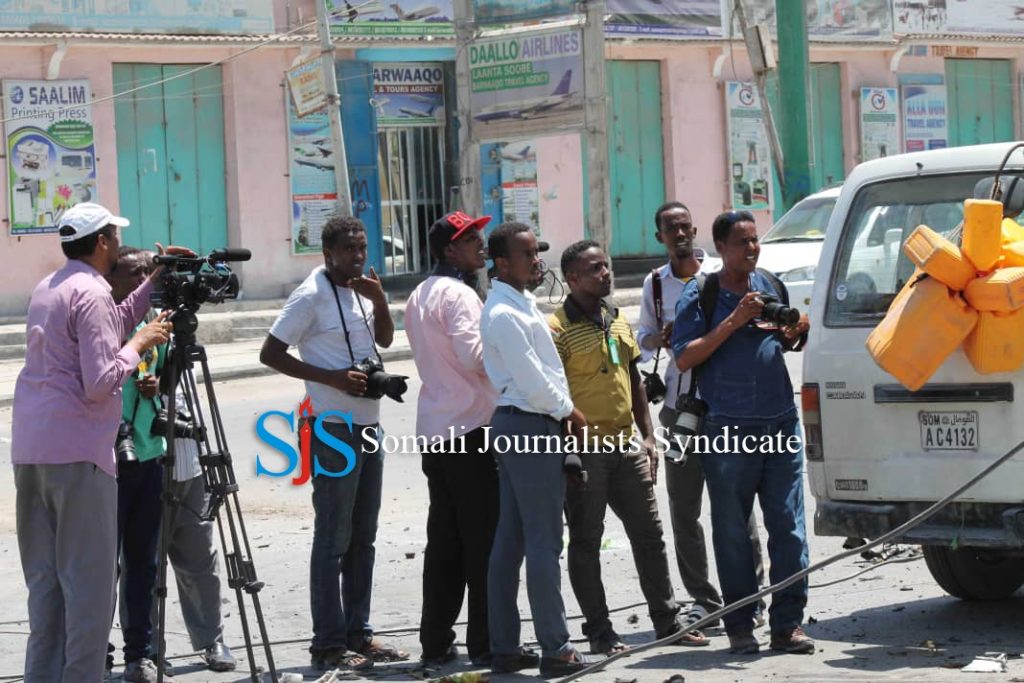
186, 283
189, 282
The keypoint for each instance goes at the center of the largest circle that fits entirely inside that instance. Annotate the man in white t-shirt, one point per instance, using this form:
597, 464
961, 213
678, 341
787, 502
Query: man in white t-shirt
335, 318
685, 479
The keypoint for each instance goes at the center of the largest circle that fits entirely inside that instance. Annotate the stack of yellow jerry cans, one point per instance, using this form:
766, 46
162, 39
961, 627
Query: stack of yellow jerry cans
972, 296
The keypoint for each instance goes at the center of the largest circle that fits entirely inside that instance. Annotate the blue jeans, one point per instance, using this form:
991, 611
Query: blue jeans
531, 495
733, 479
344, 530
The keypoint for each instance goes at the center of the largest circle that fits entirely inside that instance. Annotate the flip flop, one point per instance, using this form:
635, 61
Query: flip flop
378, 652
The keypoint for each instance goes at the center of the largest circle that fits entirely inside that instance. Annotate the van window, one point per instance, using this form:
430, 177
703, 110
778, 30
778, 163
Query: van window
871, 266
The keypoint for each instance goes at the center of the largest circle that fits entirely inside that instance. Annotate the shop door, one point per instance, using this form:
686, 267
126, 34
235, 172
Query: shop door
980, 100
826, 126
170, 156
635, 155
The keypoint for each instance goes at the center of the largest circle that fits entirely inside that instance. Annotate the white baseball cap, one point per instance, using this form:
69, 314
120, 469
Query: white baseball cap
86, 218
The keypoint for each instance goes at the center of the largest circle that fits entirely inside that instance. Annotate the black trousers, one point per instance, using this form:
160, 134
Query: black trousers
460, 529
139, 508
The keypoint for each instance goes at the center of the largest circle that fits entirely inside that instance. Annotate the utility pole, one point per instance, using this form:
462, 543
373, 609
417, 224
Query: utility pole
595, 115
469, 149
790, 18
323, 29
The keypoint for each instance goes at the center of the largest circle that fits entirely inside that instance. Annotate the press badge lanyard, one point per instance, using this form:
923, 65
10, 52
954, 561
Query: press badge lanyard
344, 325
610, 341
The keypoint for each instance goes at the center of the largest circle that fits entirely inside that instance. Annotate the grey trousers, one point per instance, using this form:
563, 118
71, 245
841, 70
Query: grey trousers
67, 538
193, 556
685, 485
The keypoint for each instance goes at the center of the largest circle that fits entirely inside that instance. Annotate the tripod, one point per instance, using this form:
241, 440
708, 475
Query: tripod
220, 483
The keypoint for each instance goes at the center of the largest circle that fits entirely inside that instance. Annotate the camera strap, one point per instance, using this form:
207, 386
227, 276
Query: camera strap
707, 296
656, 290
344, 325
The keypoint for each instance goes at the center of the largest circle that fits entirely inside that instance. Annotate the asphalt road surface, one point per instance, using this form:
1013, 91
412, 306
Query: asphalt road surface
890, 624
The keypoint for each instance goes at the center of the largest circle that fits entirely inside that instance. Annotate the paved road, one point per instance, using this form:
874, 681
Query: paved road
887, 625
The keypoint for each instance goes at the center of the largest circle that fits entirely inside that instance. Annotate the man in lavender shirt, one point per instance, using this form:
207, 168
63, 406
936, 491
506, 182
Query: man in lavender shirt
67, 406
442, 319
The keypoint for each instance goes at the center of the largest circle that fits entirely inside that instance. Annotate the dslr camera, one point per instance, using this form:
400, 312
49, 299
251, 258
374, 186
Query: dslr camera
184, 428
777, 312
380, 383
654, 386
124, 445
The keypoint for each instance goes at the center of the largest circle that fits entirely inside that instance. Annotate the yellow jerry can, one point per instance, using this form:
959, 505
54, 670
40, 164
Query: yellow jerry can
996, 344
926, 322
1012, 231
1000, 290
982, 232
940, 258
1013, 254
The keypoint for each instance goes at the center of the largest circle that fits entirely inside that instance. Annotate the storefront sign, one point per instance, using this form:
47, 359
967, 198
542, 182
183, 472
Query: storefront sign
826, 19
51, 152
958, 16
391, 17
214, 16
684, 18
750, 164
306, 85
519, 197
879, 123
314, 194
408, 94
511, 11
530, 82
924, 117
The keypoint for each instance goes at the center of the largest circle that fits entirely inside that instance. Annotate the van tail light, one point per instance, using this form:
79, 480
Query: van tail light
811, 402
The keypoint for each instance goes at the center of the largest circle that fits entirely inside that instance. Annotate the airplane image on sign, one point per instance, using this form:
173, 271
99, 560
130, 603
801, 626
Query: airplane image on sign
313, 149
429, 112
532, 108
352, 13
318, 164
527, 153
416, 14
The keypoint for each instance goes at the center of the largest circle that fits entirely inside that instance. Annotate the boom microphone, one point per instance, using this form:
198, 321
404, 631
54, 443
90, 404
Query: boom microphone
230, 255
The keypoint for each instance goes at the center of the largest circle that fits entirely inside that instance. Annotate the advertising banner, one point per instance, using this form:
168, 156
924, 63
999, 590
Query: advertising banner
527, 82
306, 85
924, 118
750, 163
408, 94
826, 19
214, 16
314, 194
391, 17
51, 151
520, 200
512, 11
684, 19
985, 16
879, 123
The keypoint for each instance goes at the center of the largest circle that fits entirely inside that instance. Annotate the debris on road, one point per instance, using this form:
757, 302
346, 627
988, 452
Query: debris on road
988, 663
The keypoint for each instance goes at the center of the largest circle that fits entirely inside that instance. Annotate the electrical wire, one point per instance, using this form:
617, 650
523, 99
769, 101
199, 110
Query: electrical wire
800, 575
235, 55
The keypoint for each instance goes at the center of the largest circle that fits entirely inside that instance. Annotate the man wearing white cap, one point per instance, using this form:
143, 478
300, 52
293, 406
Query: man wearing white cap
67, 407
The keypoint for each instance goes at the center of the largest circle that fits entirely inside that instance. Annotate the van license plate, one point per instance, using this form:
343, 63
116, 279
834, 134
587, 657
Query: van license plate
949, 431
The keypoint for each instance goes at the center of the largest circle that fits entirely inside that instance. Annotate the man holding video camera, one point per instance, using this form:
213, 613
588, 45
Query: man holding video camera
335, 318
67, 407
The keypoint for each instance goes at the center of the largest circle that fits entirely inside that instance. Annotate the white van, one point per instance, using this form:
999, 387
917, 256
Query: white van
874, 451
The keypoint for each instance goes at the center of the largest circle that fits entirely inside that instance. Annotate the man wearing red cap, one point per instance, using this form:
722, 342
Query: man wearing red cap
442, 320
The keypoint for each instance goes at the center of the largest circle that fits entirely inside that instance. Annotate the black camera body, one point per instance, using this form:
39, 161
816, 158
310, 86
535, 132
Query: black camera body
190, 282
380, 383
184, 428
777, 312
654, 386
124, 445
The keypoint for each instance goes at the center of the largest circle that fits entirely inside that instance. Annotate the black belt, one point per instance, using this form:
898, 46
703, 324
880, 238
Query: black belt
512, 410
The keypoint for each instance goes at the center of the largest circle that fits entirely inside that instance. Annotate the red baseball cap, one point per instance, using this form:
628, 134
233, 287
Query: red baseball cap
453, 225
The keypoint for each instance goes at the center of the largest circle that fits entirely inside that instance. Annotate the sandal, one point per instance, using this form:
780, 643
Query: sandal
377, 651
692, 638
608, 643
344, 660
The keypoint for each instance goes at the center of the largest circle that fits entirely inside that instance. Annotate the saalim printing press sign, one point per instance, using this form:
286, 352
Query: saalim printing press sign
526, 83
51, 155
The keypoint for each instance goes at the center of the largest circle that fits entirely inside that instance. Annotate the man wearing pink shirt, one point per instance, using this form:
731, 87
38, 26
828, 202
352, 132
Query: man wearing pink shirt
442, 320
67, 406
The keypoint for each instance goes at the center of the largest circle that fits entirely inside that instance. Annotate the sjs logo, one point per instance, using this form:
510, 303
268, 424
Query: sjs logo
301, 458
